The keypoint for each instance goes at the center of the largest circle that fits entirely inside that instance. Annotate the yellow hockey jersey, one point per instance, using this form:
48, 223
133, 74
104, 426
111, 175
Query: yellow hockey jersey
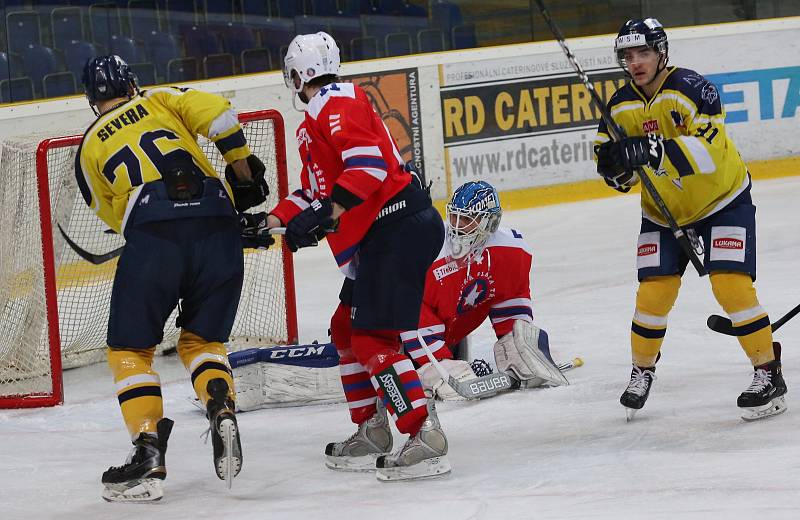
701, 171
129, 145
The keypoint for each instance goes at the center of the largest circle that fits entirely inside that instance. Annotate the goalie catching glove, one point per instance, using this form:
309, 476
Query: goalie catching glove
311, 225
525, 354
254, 232
247, 194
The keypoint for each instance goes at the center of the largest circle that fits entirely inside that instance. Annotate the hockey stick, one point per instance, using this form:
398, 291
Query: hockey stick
98, 259
92, 258
618, 133
724, 325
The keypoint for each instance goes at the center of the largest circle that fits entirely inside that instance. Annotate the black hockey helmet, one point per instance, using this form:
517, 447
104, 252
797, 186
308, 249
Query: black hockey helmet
108, 77
641, 32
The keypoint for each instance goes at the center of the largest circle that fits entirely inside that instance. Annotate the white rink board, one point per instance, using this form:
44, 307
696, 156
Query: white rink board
756, 64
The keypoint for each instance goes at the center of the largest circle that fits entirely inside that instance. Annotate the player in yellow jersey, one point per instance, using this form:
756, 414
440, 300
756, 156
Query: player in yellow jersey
142, 171
675, 124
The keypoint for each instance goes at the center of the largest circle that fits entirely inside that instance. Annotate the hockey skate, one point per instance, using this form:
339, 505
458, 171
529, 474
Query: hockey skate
139, 479
224, 431
424, 455
765, 396
638, 390
359, 452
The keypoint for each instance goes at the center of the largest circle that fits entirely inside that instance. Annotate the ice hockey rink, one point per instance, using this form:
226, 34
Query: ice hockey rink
559, 453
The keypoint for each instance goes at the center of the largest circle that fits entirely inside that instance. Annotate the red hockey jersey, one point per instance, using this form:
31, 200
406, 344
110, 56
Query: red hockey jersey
348, 155
459, 295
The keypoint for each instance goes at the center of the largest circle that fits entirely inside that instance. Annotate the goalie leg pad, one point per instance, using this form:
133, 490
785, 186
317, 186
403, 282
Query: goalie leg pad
525, 353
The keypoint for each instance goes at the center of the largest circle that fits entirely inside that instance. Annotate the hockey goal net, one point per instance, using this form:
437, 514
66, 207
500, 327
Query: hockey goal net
54, 305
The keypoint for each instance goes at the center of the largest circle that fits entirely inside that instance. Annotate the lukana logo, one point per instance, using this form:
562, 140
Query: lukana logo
647, 249
728, 243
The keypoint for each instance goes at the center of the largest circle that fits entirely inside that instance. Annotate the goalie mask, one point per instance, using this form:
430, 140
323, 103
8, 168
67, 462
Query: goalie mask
309, 56
108, 77
473, 214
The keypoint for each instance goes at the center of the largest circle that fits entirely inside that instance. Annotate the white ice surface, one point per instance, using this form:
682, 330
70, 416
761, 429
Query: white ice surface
563, 453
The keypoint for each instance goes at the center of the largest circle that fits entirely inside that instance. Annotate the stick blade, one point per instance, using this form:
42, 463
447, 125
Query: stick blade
721, 324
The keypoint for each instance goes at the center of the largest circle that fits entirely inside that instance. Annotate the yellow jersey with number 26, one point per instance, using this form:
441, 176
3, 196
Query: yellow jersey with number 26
701, 170
134, 142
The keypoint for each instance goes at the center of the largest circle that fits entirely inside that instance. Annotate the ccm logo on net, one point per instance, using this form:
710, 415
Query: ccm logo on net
647, 249
728, 243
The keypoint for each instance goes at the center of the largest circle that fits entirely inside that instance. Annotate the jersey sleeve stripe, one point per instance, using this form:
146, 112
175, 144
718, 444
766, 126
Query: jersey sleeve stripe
521, 317
298, 201
510, 311
377, 173
513, 302
345, 256
372, 151
677, 157
699, 153
223, 124
233, 141
361, 161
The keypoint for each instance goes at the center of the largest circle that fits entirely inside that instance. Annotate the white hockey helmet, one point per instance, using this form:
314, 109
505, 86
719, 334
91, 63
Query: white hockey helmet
310, 56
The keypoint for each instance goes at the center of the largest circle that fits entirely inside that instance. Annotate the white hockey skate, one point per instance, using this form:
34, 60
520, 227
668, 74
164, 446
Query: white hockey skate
423, 456
359, 452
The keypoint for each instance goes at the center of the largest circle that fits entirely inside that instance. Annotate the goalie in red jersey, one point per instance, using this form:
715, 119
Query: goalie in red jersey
483, 271
383, 233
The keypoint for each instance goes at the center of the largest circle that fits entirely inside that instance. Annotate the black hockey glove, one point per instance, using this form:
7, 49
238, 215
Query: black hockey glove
311, 225
615, 175
633, 152
247, 194
254, 232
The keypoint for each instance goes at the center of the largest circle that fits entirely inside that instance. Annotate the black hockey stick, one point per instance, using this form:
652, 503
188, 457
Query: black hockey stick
724, 325
86, 255
618, 133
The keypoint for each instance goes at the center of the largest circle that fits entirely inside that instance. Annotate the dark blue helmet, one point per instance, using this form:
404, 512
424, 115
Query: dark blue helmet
642, 32
107, 77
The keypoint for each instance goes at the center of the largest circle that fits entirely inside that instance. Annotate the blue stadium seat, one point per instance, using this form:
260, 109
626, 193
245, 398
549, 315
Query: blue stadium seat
256, 12
430, 40
200, 42
277, 33
218, 65
363, 48
39, 61
145, 73
311, 24
162, 48
344, 29
67, 26
256, 60
237, 38
22, 29
219, 11
289, 8
463, 36
76, 54
381, 25
126, 48
181, 69
324, 8
143, 17
5, 67
402, 8
104, 21
14, 90
58, 84
180, 13
398, 44
445, 16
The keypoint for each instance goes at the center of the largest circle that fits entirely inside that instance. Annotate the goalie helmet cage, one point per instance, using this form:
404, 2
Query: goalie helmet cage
54, 305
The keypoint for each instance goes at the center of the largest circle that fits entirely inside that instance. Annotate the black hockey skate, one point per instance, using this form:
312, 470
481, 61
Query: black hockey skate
765, 395
638, 390
224, 431
139, 479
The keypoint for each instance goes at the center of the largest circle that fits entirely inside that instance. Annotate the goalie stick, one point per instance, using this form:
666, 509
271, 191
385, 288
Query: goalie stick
724, 325
618, 133
101, 258
484, 386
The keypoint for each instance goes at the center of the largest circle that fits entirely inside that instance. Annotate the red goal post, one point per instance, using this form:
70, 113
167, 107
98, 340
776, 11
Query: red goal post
54, 305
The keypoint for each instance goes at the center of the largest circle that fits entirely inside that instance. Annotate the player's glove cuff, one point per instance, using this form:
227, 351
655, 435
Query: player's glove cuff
254, 232
247, 194
311, 225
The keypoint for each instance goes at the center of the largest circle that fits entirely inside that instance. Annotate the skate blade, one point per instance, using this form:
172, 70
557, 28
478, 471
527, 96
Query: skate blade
775, 407
363, 464
630, 413
145, 490
428, 468
229, 465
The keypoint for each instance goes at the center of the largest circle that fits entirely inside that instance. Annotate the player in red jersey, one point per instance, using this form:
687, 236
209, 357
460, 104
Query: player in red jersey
482, 272
384, 233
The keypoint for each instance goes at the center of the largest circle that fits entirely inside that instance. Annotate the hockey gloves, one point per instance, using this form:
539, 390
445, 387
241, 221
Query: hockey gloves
311, 225
615, 175
618, 160
247, 194
254, 232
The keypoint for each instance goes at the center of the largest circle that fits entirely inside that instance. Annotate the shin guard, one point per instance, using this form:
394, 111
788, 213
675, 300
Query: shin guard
654, 300
138, 388
358, 391
205, 360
